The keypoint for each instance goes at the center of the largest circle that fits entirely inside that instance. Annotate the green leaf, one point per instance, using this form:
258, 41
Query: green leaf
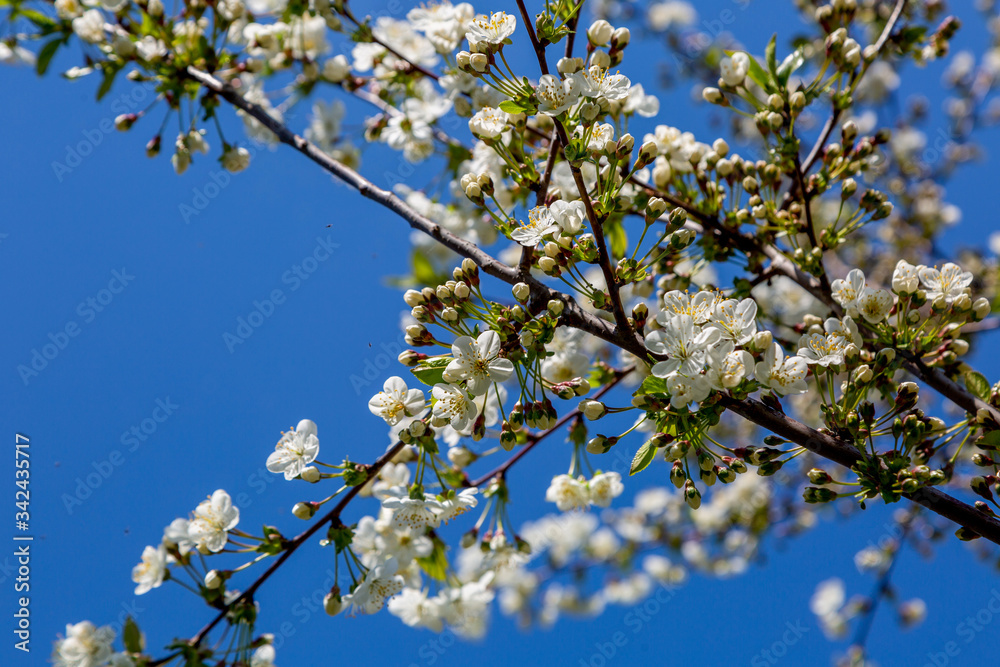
788, 66
617, 238
45, 55
131, 636
511, 106
36, 17
989, 440
423, 270
978, 384
435, 565
759, 76
430, 371
642, 458
769, 55
108, 74
653, 385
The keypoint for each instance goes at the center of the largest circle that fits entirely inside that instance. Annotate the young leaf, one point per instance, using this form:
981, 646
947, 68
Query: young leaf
792, 62
642, 458
431, 371
769, 56
978, 384
45, 55
511, 106
131, 636
653, 385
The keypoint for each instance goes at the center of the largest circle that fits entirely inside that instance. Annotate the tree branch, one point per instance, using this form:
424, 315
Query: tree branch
574, 316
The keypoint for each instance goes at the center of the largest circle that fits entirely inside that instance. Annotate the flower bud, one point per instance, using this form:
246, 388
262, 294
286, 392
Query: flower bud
600, 32
600, 59
214, 579
762, 341
304, 510
521, 292
569, 65
332, 604
981, 308
479, 62
621, 38
592, 410
555, 307
310, 474
125, 121
413, 298
713, 95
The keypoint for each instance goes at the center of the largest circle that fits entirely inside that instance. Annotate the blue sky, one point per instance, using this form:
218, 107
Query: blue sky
103, 249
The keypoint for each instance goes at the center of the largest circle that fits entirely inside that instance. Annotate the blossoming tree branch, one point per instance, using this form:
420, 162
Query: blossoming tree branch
757, 337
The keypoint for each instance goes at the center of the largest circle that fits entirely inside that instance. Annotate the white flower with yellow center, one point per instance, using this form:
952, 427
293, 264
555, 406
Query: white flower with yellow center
684, 344
556, 95
906, 277
597, 83
733, 69
847, 292
600, 135
297, 448
84, 646
491, 30
396, 401
379, 583
684, 390
568, 493
604, 488
458, 504
212, 520
699, 306
727, 366
540, 223
950, 282
488, 123
415, 513
875, 304
478, 362
453, 406
151, 571
735, 319
781, 375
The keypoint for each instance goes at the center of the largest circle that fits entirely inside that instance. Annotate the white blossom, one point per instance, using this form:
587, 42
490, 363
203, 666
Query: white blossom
783, 376
684, 344
150, 573
454, 406
478, 362
212, 520
949, 283
84, 646
734, 69
379, 583
492, 29
396, 401
297, 448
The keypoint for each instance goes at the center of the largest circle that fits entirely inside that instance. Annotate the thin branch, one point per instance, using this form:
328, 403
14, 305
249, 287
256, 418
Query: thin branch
530, 27
297, 542
534, 440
